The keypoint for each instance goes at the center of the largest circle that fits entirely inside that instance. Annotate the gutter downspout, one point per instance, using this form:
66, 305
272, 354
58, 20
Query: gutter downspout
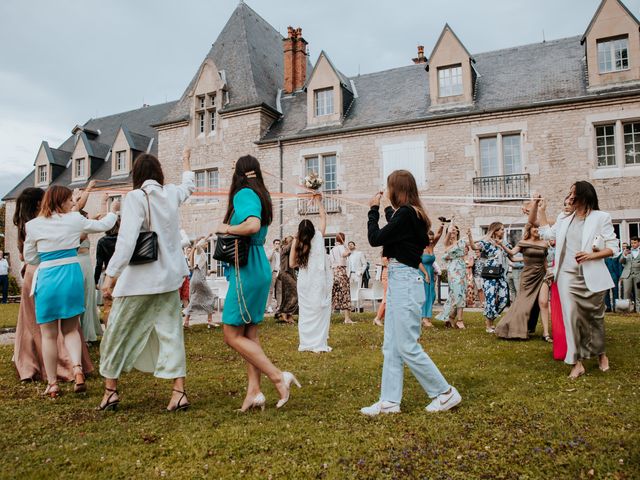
281, 189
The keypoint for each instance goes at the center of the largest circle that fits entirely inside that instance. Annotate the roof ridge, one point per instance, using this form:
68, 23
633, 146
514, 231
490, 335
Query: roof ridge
128, 111
514, 47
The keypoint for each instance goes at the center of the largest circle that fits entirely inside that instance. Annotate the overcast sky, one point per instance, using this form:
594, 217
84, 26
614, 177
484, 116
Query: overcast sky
65, 61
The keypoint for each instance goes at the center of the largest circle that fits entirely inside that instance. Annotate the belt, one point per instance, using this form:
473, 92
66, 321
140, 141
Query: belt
48, 264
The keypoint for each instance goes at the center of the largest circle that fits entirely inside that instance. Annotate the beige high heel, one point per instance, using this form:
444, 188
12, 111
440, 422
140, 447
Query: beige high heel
287, 378
259, 401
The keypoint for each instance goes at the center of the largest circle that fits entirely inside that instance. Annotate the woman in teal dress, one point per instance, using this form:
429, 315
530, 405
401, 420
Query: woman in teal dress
427, 260
249, 213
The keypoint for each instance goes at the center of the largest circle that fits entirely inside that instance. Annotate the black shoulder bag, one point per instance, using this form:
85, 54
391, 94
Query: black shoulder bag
146, 249
232, 249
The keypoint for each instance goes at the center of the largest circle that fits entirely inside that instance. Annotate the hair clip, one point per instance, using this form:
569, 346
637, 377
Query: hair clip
250, 174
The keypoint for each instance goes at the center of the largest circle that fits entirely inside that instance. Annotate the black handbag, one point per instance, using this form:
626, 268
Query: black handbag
146, 249
492, 273
232, 249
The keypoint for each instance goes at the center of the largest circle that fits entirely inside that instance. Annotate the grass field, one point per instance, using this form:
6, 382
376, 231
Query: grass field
520, 417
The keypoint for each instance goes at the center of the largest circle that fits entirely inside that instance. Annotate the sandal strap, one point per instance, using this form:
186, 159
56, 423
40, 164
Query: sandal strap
180, 391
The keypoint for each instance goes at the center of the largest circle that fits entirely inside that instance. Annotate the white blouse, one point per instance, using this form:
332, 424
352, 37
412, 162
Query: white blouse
167, 273
336, 256
60, 232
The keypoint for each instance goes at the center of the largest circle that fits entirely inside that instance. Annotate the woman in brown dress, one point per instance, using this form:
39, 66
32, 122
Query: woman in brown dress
288, 284
532, 297
27, 353
341, 292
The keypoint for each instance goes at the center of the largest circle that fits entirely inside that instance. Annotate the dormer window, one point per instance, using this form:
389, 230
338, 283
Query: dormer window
206, 113
121, 160
450, 81
613, 54
324, 101
80, 168
42, 174
211, 112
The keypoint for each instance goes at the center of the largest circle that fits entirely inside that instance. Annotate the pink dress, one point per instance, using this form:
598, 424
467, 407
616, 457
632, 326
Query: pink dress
557, 325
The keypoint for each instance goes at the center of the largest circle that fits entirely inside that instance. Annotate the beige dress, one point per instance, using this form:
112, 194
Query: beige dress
514, 323
582, 309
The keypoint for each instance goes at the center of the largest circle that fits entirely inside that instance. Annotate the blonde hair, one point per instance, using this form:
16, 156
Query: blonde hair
493, 228
403, 190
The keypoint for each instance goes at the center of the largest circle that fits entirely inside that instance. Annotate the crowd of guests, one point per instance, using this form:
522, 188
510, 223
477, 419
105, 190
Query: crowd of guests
555, 272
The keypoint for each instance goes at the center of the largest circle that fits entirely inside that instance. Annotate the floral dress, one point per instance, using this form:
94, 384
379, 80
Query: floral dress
457, 278
496, 292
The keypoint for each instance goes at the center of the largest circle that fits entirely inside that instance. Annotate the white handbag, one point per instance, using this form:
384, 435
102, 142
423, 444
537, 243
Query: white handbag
598, 243
623, 305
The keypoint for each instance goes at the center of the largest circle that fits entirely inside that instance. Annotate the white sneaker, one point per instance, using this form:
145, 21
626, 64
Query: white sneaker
380, 407
445, 401
269, 309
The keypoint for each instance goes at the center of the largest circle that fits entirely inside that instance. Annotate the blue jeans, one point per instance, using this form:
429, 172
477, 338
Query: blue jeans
405, 296
4, 286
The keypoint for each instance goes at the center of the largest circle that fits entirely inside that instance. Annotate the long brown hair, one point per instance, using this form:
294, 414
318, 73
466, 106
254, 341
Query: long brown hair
493, 228
27, 207
146, 167
53, 200
247, 174
306, 231
403, 191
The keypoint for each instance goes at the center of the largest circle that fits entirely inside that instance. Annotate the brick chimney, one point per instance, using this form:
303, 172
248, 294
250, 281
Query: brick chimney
295, 60
420, 58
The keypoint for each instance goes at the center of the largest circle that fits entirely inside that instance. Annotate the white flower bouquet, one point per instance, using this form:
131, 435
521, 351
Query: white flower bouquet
313, 181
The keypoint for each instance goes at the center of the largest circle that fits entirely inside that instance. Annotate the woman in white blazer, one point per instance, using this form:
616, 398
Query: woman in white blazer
145, 325
583, 240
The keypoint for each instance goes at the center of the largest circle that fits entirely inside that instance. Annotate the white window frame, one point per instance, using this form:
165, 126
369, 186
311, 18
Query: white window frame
450, 82
43, 169
631, 148
329, 243
500, 153
121, 155
323, 101
321, 163
76, 164
203, 180
609, 142
607, 51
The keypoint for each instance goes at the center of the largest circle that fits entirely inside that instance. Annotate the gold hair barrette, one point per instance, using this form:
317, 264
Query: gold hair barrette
250, 174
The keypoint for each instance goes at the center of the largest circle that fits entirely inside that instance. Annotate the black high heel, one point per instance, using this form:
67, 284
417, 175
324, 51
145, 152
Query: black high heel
180, 406
110, 404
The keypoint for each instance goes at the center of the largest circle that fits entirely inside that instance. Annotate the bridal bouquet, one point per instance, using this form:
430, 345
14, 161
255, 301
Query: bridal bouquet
313, 181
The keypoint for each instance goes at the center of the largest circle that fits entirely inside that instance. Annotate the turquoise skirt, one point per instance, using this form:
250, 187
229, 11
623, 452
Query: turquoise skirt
59, 292
255, 277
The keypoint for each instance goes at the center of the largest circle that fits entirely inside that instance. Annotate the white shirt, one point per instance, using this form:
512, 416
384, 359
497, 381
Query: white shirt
60, 232
357, 262
167, 273
336, 256
4, 267
274, 260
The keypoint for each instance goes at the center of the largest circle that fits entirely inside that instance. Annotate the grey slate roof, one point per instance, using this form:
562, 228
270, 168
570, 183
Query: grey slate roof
250, 52
507, 79
136, 141
139, 121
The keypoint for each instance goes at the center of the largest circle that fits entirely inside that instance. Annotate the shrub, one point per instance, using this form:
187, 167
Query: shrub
14, 288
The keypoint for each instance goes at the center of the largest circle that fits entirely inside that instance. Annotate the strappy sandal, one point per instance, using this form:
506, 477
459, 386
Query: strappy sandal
180, 406
548, 339
52, 391
79, 386
109, 404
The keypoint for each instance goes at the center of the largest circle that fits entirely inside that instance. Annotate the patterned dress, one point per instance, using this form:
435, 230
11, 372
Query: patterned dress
457, 278
496, 292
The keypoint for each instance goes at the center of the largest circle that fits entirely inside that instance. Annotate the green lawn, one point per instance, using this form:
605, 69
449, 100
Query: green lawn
520, 417
9, 314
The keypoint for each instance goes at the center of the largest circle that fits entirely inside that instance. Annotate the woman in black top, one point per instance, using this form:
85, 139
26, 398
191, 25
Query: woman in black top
403, 239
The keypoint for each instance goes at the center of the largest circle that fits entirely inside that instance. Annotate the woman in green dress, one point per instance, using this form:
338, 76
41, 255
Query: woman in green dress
249, 213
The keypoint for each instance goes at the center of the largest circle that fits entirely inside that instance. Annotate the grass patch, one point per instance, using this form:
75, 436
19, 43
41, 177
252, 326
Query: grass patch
9, 315
520, 417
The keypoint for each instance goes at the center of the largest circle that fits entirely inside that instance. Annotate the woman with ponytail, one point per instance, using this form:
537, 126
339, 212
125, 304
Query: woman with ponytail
314, 283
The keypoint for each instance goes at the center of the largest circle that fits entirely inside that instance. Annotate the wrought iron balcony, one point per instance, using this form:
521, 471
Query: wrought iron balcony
331, 205
501, 188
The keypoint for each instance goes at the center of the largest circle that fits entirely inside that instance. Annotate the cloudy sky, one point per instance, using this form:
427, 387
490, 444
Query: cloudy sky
65, 61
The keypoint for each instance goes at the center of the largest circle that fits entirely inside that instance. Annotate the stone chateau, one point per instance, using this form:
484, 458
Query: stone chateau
483, 128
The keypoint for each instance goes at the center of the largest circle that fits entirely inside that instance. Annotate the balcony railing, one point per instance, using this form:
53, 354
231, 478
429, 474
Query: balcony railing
501, 188
331, 205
